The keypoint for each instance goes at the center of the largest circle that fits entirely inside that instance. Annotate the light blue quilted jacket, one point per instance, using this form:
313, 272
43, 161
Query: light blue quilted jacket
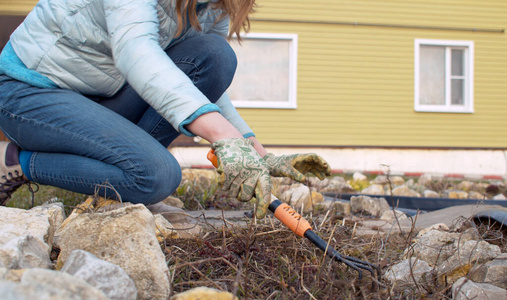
95, 46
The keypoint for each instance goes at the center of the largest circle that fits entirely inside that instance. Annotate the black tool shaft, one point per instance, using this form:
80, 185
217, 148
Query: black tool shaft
352, 262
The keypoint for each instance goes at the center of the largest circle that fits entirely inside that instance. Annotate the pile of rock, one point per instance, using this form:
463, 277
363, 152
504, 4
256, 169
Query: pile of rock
111, 250
425, 186
107, 250
439, 257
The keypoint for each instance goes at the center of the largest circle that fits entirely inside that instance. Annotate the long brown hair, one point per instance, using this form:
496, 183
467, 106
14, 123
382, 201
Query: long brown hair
237, 10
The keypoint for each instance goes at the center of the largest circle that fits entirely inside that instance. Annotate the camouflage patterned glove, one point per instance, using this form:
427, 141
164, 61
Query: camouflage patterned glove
243, 172
295, 166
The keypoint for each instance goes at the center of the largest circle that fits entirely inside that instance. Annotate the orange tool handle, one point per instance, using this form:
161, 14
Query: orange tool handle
212, 158
288, 216
283, 212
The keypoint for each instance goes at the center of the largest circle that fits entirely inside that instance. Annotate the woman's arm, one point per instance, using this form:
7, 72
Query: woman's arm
258, 146
213, 127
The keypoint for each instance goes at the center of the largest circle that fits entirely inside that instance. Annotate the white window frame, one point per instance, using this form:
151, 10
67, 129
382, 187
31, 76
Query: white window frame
291, 103
468, 106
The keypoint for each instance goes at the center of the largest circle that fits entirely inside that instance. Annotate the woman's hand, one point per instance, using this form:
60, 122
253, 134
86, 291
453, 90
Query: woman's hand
243, 172
295, 166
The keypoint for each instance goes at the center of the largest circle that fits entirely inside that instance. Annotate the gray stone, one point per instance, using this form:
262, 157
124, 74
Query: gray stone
111, 279
435, 246
476, 195
380, 179
467, 255
299, 195
204, 293
390, 215
359, 176
406, 271
44, 284
17, 222
430, 194
499, 197
25, 251
372, 206
397, 180
316, 183
338, 206
425, 179
405, 191
455, 194
465, 289
27, 236
493, 272
374, 189
466, 185
335, 185
55, 214
125, 237
438, 226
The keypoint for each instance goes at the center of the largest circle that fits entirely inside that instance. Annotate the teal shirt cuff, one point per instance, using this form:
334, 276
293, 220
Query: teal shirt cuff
247, 135
201, 111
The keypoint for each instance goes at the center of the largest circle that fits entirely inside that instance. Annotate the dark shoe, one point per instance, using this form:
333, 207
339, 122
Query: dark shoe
171, 213
11, 175
185, 225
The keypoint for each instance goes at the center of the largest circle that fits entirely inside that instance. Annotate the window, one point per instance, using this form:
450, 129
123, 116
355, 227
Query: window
444, 76
267, 71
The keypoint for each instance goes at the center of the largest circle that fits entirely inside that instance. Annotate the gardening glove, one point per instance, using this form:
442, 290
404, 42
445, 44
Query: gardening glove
243, 172
295, 166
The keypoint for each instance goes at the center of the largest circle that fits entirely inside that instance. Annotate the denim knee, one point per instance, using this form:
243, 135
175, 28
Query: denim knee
158, 179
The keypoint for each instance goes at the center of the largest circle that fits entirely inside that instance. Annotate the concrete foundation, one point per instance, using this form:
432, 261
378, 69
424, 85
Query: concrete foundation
459, 163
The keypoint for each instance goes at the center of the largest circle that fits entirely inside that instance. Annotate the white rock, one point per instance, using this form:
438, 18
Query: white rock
405, 191
17, 222
359, 176
476, 195
125, 237
44, 284
299, 195
25, 252
204, 293
430, 194
374, 189
109, 278
337, 206
397, 180
493, 272
381, 179
390, 215
436, 246
465, 289
401, 273
499, 197
373, 206
425, 179
468, 253
335, 185
437, 226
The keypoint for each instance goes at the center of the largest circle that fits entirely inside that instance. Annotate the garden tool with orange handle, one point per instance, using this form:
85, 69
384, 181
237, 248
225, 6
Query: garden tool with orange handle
302, 228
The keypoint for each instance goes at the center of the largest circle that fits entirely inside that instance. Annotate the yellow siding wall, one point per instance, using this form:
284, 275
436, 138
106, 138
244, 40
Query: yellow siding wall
356, 83
16, 7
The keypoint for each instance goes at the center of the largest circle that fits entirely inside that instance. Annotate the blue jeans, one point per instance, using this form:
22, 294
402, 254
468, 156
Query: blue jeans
84, 144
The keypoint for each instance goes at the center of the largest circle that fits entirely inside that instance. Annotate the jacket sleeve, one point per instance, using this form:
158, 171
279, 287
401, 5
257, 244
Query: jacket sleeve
221, 27
227, 108
133, 29
231, 114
